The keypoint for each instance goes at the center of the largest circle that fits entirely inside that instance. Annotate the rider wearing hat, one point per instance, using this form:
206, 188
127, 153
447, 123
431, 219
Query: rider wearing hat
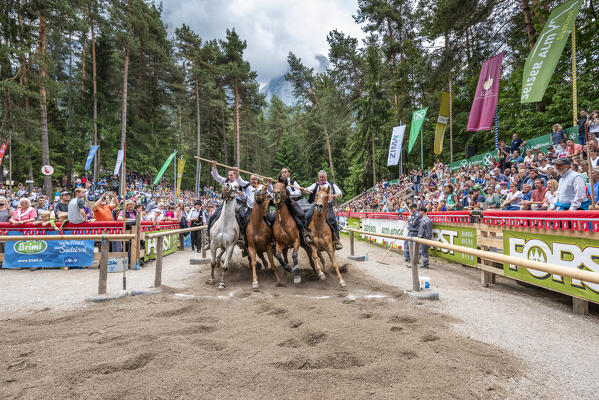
335, 193
571, 192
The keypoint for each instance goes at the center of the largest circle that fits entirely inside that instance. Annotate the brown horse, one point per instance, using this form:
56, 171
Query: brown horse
323, 235
285, 230
259, 236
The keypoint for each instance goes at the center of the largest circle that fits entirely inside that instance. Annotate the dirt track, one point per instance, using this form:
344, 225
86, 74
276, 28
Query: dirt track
310, 341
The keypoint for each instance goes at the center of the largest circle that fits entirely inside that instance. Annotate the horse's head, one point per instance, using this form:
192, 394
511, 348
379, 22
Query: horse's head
279, 194
322, 199
260, 195
228, 191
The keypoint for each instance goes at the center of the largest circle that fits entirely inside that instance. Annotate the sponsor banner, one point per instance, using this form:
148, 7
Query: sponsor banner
90, 156
48, 253
386, 227
169, 245
395, 145
354, 223
180, 168
540, 142
485, 98
119, 161
2, 151
342, 221
417, 121
569, 252
544, 56
458, 236
187, 241
164, 167
442, 122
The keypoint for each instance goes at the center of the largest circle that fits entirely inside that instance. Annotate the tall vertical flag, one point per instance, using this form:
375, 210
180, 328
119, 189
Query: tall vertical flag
2, 151
417, 121
90, 156
395, 145
442, 122
545, 54
485, 98
164, 167
119, 161
180, 167
574, 79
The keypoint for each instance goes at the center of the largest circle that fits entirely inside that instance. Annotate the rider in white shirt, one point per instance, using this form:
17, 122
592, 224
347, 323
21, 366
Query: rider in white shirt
336, 193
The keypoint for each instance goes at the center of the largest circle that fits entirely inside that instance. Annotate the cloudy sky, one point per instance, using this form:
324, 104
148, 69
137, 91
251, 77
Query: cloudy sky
271, 28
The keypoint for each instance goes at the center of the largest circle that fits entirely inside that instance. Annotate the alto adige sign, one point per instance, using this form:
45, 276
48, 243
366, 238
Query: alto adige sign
457, 236
569, 252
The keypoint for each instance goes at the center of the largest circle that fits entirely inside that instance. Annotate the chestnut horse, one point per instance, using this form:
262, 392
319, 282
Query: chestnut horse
259, 236
323, 235
285, 232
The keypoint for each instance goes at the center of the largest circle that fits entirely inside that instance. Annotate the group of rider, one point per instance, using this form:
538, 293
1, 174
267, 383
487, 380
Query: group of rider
245, 197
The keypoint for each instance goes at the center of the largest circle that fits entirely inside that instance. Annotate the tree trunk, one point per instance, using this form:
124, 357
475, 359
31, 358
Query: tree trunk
83, 57
23, 81
124, 107
95, 88
43, 102
180, 125
236, 112
530, 29
373, 161
396, 98
69, 162
198, 185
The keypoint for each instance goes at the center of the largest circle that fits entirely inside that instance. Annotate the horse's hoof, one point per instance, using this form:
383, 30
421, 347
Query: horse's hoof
322, 277
258, 265
255, 285
221, 285
287, 268
342, 283
210, 281
280, 284
297, 279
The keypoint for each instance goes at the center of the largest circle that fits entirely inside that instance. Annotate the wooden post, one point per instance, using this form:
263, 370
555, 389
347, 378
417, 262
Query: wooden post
103, 267
580, 306
137, 241
415, 278
158, 276
484, 275
351, 243
203, 243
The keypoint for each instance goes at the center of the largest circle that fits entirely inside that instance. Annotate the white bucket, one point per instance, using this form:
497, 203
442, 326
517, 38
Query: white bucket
425, 282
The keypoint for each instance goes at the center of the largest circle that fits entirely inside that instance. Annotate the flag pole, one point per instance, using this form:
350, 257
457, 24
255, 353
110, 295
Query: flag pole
175, 176
421, 150
574, 79
450, 120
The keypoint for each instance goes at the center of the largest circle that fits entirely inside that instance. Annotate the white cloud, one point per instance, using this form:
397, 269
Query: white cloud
272, 28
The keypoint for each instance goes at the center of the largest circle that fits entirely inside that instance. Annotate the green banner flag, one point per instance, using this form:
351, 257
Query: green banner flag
442, 122
417, 121
164, 167
543, 58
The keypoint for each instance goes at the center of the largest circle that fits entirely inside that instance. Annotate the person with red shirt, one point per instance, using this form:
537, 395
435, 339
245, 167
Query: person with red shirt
538, 195
574, 149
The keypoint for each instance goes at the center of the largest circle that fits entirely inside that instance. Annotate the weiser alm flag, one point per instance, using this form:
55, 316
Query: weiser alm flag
164, 167
485, 98
119, 161
545, 54
180, 167
395, 145
442, 122
90, 156
2, 151
417, 121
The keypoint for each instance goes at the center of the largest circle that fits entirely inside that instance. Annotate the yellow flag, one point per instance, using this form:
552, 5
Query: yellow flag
442, 122
180, 166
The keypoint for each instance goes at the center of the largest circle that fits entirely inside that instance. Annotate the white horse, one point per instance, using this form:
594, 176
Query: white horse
224, 234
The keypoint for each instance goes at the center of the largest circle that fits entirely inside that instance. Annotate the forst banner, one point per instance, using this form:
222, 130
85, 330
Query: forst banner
169, 245
47, 253
543, 58
180, 168
485, 97
457, 236
417, 121
442, 122
395, 145
569, 252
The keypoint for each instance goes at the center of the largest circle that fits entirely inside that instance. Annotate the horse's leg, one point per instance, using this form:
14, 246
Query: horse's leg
213, 262
269, 253
252, 256
331, 253
318, 263
320, 256
285, 255
309, 251
229, 253
296, 269
264, 263
279, 257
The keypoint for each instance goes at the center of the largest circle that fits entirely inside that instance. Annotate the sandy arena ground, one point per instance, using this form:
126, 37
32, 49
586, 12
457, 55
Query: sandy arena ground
312, 341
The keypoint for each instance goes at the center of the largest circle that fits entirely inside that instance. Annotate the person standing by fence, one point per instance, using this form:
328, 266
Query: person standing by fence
425, 231
412, 227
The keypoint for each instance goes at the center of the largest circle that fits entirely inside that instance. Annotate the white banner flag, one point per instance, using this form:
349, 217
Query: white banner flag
119, 161
395, 145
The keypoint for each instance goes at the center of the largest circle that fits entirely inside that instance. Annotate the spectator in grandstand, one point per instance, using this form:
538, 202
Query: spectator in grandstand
543, 165
62, 205
516, 143
513, 199
526, 201
416, 179
573, 149
425, 231
516, 157
5, 211
140, 210
102, 208
582, 137
503, 155
558, 136
24, 214
41, 205
493, 200
128, 213
529, 159
550, 200
76, 208
44, 218
551, 153
451, 199
593, 124
571, 194
157, 215
477, 200
537, 197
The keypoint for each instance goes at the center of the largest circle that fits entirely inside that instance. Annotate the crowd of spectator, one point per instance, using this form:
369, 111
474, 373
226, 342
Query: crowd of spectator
555, 179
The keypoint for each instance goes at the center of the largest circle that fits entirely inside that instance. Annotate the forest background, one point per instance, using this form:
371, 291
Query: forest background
78, 72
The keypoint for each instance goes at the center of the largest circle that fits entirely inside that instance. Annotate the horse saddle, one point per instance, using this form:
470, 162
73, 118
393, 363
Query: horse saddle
269, 218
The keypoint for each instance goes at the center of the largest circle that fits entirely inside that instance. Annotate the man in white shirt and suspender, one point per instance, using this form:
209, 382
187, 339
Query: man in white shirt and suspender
195, 219
248, 189
336, 193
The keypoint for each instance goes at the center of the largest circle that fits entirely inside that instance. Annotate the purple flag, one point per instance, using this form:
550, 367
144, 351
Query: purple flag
485, 98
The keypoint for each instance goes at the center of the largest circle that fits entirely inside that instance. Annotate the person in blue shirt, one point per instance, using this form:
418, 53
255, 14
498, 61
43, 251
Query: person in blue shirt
517, 157
516, 143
